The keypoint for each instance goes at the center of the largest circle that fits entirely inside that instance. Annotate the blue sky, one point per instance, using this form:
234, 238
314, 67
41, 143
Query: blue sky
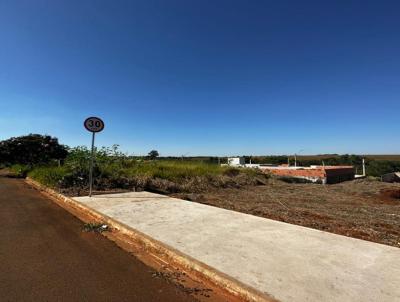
204, 77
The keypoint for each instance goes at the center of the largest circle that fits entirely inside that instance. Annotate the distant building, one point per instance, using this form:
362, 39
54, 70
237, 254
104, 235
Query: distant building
236, 161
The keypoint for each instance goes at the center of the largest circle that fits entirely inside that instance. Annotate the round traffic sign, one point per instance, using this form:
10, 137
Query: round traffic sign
94, 124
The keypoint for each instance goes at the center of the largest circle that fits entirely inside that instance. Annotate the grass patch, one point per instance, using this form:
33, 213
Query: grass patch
50, 176
95, 227
175, 170
20, 170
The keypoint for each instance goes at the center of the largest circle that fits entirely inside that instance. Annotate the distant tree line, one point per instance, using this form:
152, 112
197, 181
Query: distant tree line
373, 167
34, 149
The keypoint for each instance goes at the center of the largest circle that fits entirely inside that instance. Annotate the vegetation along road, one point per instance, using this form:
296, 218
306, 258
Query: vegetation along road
45, 256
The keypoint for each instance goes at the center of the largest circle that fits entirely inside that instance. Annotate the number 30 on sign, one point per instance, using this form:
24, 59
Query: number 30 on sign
94, 124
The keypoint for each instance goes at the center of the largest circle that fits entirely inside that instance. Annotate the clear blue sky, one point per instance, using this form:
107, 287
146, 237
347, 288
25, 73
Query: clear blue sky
204, 77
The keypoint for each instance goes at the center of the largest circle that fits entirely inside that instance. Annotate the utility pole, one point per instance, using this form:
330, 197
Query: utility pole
183, 155
295, 157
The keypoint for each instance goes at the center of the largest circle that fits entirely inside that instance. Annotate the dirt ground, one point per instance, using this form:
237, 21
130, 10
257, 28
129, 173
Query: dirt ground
364, 209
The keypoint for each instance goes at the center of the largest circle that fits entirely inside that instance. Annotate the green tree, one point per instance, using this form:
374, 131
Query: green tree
31, 149
153, 154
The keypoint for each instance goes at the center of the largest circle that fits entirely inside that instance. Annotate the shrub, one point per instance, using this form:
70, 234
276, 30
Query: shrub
378, 168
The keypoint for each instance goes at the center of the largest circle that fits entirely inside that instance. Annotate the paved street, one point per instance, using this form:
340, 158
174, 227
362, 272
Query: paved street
45, 256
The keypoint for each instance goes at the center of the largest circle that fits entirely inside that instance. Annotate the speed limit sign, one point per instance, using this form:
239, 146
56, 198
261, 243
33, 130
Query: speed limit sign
94, 124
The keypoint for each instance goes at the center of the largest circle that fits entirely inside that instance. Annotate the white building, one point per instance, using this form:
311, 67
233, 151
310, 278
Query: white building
236, 161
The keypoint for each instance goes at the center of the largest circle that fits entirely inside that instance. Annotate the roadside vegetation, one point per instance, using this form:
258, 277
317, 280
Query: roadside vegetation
42, 158
95, 227
116, 171
113, 170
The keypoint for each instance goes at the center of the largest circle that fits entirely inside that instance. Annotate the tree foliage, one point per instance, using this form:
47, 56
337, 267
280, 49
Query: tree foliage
31, 149
153, 154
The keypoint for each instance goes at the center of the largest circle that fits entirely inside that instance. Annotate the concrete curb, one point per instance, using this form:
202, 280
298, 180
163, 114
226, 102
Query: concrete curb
168, 254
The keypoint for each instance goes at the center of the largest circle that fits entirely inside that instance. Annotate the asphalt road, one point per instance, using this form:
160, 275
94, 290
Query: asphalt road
45, 256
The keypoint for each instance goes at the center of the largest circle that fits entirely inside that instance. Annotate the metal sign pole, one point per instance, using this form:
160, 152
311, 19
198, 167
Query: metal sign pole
91, 167
92, 124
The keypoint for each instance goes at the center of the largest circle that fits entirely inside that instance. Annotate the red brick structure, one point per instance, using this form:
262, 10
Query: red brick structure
320, 174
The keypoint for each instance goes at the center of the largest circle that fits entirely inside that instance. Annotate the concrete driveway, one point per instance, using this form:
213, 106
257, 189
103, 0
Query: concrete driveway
288, 262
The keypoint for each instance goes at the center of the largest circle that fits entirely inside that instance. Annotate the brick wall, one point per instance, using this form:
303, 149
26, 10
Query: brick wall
329, 174
317, 173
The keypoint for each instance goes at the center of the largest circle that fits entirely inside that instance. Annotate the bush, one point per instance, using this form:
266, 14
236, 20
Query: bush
378, 168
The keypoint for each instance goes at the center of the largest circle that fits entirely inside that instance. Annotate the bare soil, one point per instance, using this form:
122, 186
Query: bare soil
364, 209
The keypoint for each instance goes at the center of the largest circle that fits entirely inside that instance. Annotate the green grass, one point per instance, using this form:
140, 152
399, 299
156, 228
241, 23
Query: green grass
126, 173
95, 227
169, 170
48, 175
175, 170
20, 170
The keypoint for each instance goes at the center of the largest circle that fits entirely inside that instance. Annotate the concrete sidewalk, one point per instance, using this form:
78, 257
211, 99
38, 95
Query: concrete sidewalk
288, 262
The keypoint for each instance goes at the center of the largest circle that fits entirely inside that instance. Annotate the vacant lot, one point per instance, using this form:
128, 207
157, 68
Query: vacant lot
364, 209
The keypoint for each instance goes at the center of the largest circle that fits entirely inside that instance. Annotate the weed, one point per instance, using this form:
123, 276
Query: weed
20, 170
50, 176
95, 227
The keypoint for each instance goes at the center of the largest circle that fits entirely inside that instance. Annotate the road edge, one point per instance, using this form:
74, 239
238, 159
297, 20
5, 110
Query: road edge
160, 250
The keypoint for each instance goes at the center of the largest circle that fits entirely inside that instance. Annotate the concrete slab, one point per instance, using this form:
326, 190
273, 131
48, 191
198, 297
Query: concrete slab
288, 262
